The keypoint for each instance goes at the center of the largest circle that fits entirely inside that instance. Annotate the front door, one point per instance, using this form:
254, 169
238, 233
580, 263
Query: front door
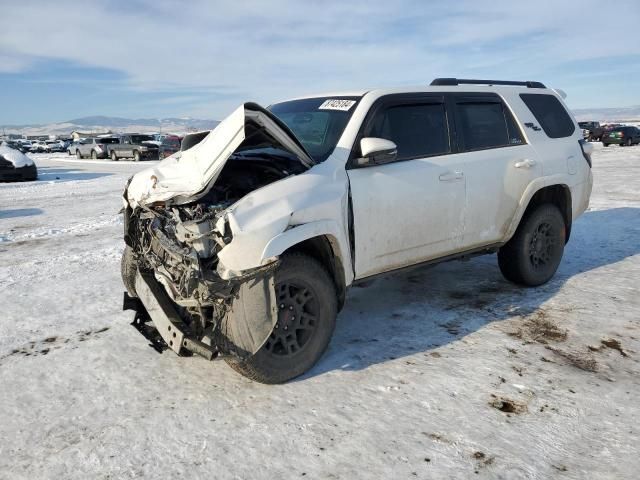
411, 210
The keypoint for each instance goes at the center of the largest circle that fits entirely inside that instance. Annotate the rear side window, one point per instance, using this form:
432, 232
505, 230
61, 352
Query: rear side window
486, 125
418, 130
549, 112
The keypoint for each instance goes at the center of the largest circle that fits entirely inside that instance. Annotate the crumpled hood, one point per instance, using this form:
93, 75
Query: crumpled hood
16, 157
185, 176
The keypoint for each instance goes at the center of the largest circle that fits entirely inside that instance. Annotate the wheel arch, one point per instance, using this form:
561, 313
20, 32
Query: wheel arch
558, 194
323, 249
322, 244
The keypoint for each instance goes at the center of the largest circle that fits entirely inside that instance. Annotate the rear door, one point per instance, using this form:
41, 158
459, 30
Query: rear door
411, 210
498, 164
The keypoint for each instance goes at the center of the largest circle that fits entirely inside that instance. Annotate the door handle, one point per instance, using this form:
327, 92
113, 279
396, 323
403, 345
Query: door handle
451, 176
525, 163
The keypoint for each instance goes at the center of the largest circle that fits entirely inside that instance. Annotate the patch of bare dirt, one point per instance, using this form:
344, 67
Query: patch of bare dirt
43, 347
582, 360
508, 405
614, 345
483, 459
538, 327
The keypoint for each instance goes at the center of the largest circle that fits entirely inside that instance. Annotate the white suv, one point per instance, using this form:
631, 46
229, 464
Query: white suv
245, 244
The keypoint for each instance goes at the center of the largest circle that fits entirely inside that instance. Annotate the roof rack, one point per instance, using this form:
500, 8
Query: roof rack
448, 82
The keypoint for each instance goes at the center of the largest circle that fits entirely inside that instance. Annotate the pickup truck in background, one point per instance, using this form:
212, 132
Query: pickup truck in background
592, 131
134, 145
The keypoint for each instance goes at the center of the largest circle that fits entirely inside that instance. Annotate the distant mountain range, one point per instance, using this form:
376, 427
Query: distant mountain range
100, 124
604, 115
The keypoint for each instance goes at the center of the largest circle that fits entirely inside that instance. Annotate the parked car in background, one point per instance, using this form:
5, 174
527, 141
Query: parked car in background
55, 146
169, 145
134, 145
39, 147
592, 131
15, 165
23, 145
14, 144
95, 147
72, 147
623, 136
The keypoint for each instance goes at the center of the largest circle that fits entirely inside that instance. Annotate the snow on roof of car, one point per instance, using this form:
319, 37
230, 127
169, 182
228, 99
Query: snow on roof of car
16, 157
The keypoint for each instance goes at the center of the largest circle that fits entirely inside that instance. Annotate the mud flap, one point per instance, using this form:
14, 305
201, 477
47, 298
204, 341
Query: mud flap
252, 316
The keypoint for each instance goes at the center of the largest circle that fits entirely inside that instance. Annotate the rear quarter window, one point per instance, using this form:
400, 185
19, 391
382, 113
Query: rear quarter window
549, 112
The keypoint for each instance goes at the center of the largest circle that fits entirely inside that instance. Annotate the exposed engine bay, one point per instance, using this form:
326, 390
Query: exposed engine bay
179, 246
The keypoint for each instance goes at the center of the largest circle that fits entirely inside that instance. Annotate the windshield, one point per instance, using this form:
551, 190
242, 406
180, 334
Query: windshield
317, 123
137, 139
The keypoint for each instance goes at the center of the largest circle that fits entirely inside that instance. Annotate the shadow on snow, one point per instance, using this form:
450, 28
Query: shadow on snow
404, 313
58, 175
20, 212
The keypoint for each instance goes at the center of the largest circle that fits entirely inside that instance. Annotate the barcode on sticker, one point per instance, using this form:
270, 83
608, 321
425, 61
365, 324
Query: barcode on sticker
336, 104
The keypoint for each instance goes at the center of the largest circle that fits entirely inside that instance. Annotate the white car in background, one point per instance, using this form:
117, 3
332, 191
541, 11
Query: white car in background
39, 147
246, 244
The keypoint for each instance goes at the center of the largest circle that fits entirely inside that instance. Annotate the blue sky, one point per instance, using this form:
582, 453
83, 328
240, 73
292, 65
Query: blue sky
163, 58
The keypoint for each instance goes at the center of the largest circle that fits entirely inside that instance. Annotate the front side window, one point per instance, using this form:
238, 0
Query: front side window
418, 130
549, 112
487, 125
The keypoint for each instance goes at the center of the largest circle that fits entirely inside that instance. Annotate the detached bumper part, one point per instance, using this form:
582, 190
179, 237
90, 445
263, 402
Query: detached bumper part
170, 326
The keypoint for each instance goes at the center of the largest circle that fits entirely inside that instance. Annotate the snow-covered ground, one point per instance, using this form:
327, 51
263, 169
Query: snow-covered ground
445, 372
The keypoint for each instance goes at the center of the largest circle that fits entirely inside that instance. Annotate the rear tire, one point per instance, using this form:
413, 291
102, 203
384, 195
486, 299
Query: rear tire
78, 155
605, 144
534, 253
629, 142
94, 155
303, 290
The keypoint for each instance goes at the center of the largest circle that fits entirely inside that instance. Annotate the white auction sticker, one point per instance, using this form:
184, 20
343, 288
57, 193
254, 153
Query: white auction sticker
337, 104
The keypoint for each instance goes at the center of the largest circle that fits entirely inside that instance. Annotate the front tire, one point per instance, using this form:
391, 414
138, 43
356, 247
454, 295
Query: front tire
136, 156
534, 253
307, 309
114, 156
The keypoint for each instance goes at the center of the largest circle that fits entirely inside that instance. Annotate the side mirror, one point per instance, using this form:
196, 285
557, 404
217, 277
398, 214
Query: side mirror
376, 151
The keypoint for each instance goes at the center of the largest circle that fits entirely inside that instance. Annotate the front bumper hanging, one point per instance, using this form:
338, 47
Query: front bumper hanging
153, 303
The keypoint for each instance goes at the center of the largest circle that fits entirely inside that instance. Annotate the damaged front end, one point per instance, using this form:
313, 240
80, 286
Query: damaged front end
177, 223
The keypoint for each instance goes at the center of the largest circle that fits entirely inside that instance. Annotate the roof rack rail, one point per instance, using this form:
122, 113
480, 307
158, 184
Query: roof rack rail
448, 82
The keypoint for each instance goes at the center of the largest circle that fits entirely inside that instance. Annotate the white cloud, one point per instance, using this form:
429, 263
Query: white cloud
277, 49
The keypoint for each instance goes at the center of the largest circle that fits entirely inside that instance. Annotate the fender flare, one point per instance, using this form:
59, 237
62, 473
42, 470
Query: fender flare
533, 188
299, 233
